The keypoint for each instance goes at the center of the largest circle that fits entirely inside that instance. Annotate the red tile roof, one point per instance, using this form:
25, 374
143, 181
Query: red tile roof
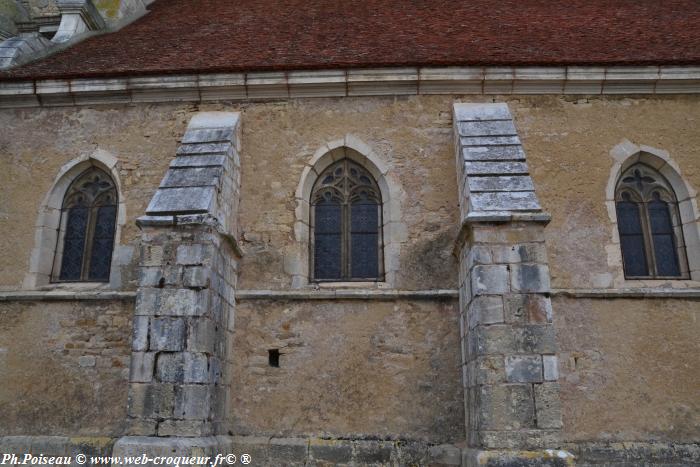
184, 36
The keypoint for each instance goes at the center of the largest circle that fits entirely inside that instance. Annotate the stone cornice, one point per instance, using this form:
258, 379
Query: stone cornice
573, 80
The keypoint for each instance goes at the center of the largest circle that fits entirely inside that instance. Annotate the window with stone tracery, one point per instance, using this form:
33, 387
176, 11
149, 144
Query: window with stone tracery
346, 225
651, 235
87, 227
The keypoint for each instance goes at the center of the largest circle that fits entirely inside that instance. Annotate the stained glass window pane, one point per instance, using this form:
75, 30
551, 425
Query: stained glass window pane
663, 237
74, 244
347, 224
102, 243
632, 239
364, 245
328, 237
89, 216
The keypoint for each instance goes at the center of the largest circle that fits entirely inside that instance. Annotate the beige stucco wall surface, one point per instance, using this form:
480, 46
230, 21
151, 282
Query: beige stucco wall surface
64, 368
568, 143
34, 145
385, 369
629, 369
411, 137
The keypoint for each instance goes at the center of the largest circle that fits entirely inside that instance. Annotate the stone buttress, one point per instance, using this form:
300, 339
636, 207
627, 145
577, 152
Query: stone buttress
183, 326
510, 372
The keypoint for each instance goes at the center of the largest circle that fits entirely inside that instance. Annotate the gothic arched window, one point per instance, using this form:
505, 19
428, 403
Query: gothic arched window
88, 222
346, 221
649, 223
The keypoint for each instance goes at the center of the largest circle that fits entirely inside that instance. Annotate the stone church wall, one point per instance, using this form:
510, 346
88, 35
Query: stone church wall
65, 367
629, 369
626, 367
376, 369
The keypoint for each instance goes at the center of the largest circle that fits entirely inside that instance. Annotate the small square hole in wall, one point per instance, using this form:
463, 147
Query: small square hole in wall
273, 358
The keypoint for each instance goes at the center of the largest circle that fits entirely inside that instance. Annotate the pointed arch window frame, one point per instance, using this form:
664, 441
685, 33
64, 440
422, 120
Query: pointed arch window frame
98, 199
643, 187
340, 188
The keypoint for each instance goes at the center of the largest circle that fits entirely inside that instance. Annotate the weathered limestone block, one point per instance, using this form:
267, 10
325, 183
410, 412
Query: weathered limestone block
503, 200
486, 309
527, 308
202, 337
140, 337
192, 401
171, 302
506, 407
151, 400
495, 168
142, 364
519, 253
288, 451
330, 451
196, 277
489, 369
193, 254
500, 183
192, 199
167, 334
524, 368
170, 367
196, 368
548, 405
493, 153
529, 278
373, 452
183, 428
550, 367
489, 280
505, 458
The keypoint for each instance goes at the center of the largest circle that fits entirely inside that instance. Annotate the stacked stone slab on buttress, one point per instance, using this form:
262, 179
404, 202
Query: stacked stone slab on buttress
204, 177
493, 176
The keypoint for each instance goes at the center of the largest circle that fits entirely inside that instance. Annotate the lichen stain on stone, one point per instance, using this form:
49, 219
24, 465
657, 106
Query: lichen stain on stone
109, 8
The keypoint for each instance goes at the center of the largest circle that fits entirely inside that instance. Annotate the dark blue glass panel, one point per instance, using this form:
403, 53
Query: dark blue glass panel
327, 241
660, 218
102, 243
364, 218
631, 239
628, 218
364, 250
327, 217
664, 242
74, 244
364, 228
